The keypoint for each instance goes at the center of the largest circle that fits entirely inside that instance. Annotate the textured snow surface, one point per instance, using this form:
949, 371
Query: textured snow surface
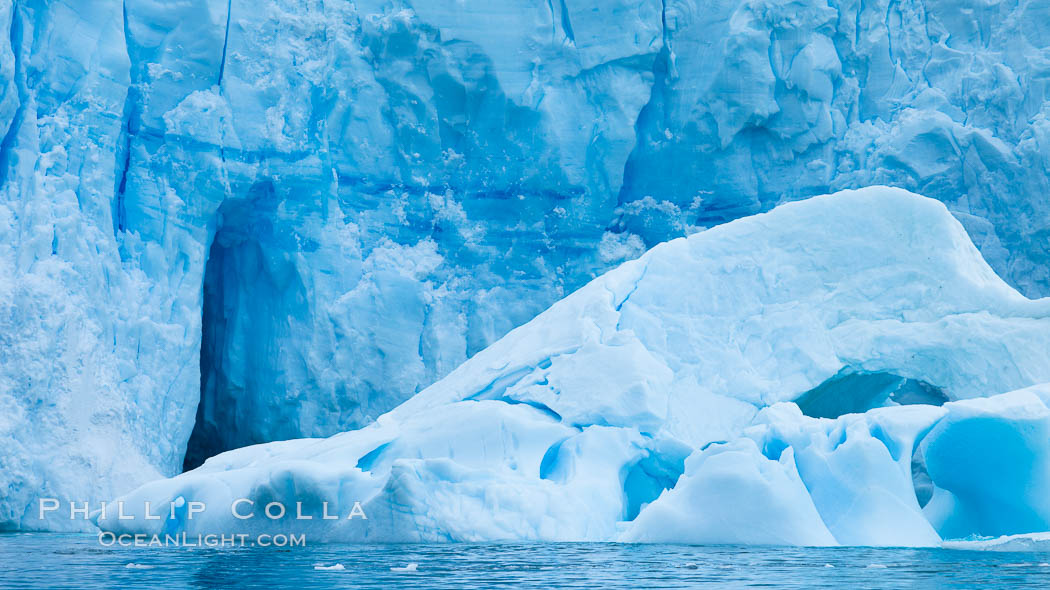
654, 404
341, 201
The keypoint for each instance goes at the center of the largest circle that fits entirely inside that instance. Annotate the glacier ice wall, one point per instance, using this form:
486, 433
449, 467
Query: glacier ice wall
654, 404
358, 196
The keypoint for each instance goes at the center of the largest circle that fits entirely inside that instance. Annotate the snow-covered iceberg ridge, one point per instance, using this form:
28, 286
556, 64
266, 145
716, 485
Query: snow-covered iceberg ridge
804, 376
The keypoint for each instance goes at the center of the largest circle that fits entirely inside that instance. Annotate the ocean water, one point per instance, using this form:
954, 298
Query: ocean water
78, 561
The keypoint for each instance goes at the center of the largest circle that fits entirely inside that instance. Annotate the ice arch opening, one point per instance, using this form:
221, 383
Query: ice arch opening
649, 477
253, 297
854, 392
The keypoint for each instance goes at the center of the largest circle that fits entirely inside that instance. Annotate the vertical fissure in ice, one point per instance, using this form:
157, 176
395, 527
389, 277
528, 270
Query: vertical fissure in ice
128, 129
120, 213
225, 43
8, 141
566, 23
206, 439
250, 291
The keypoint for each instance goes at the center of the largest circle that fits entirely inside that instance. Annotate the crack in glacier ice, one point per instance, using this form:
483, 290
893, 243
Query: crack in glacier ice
8, 143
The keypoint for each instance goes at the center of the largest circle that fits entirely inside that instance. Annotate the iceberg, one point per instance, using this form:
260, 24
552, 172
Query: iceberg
657, 404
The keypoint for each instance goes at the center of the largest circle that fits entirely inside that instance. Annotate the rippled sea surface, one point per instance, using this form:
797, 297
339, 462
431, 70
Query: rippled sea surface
79, 561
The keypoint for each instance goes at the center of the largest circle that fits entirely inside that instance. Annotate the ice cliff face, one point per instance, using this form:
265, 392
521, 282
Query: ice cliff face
654, 404
301, 213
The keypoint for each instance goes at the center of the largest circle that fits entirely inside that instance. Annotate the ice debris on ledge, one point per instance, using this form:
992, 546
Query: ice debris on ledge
656, 404
1025, 542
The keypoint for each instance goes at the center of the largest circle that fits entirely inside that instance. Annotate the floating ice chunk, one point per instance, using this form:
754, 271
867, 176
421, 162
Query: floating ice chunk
408, 568
338, 567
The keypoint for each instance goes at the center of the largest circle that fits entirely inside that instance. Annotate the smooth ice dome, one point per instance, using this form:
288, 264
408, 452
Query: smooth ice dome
657, 403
